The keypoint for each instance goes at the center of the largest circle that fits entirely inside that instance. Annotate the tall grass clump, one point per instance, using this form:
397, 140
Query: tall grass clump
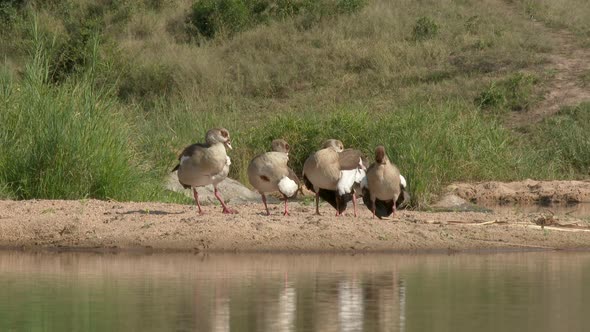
432, 145
514, 93
565, 139
65, 141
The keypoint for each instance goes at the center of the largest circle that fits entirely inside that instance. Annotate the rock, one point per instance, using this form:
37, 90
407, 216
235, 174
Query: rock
231, 191
453, 203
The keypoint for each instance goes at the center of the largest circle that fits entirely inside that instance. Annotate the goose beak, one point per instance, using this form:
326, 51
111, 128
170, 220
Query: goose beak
228, 144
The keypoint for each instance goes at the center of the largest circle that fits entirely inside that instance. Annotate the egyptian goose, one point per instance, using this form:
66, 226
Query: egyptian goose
203, 164
269, 172
384, 184
385, 208
332, 173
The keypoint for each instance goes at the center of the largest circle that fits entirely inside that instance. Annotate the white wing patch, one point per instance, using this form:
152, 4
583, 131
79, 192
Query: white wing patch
364, 183
360, 175
402, 180
287, 187
348, 178
227, 161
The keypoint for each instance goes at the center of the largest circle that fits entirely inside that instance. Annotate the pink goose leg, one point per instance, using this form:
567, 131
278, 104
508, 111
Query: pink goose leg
286, 213
196, 195
226, 210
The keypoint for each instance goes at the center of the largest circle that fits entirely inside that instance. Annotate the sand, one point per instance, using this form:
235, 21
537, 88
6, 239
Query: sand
109, 225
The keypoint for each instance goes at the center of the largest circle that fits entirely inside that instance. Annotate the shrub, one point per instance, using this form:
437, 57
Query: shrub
425, 28
349, 6
211, 17
226, 17
513, 93
8, 15
73, 52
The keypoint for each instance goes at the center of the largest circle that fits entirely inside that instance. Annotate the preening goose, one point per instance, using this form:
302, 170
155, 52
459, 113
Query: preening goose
203, 164
385, 208
332, 173
383, 185
269, 172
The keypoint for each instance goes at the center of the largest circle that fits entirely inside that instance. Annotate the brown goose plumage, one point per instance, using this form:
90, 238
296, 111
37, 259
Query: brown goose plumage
383, 179
323, 174
269, 172
206, 163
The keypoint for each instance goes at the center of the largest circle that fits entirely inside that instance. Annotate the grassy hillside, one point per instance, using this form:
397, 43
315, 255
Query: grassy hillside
99, 97
566, 14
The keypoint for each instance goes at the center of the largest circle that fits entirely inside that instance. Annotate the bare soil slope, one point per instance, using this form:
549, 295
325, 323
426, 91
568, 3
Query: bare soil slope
569, 61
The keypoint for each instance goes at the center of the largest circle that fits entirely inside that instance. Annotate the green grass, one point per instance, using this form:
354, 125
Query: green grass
66, 141
432, 144
565, 139
63, 142
99, 99
514, 93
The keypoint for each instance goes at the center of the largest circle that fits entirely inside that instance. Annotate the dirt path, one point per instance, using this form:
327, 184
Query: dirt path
566, 88
115, 225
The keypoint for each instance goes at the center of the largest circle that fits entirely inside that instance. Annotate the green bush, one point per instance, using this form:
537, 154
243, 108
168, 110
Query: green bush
8, 15
72, 53
212, 17
350, 6
513, 93
425, 28
226, 17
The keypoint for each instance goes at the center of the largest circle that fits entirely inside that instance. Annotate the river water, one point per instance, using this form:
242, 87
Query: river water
522, 291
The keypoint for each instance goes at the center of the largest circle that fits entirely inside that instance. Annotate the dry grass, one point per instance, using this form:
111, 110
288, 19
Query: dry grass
573, 15
373, 60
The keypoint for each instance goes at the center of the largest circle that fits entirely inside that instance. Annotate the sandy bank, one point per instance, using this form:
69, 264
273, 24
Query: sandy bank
116, 225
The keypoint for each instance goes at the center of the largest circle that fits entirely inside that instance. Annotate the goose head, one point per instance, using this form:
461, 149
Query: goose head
380, 156
218, 135
333, 144
280, 145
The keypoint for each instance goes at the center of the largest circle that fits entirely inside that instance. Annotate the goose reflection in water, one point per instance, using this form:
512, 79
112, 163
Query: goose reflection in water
350, 304
282, 318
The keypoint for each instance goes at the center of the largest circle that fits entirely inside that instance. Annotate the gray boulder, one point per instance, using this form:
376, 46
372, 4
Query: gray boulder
230, 189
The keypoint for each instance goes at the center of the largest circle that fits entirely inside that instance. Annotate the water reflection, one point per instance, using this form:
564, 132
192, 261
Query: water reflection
127, 292
350, 305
